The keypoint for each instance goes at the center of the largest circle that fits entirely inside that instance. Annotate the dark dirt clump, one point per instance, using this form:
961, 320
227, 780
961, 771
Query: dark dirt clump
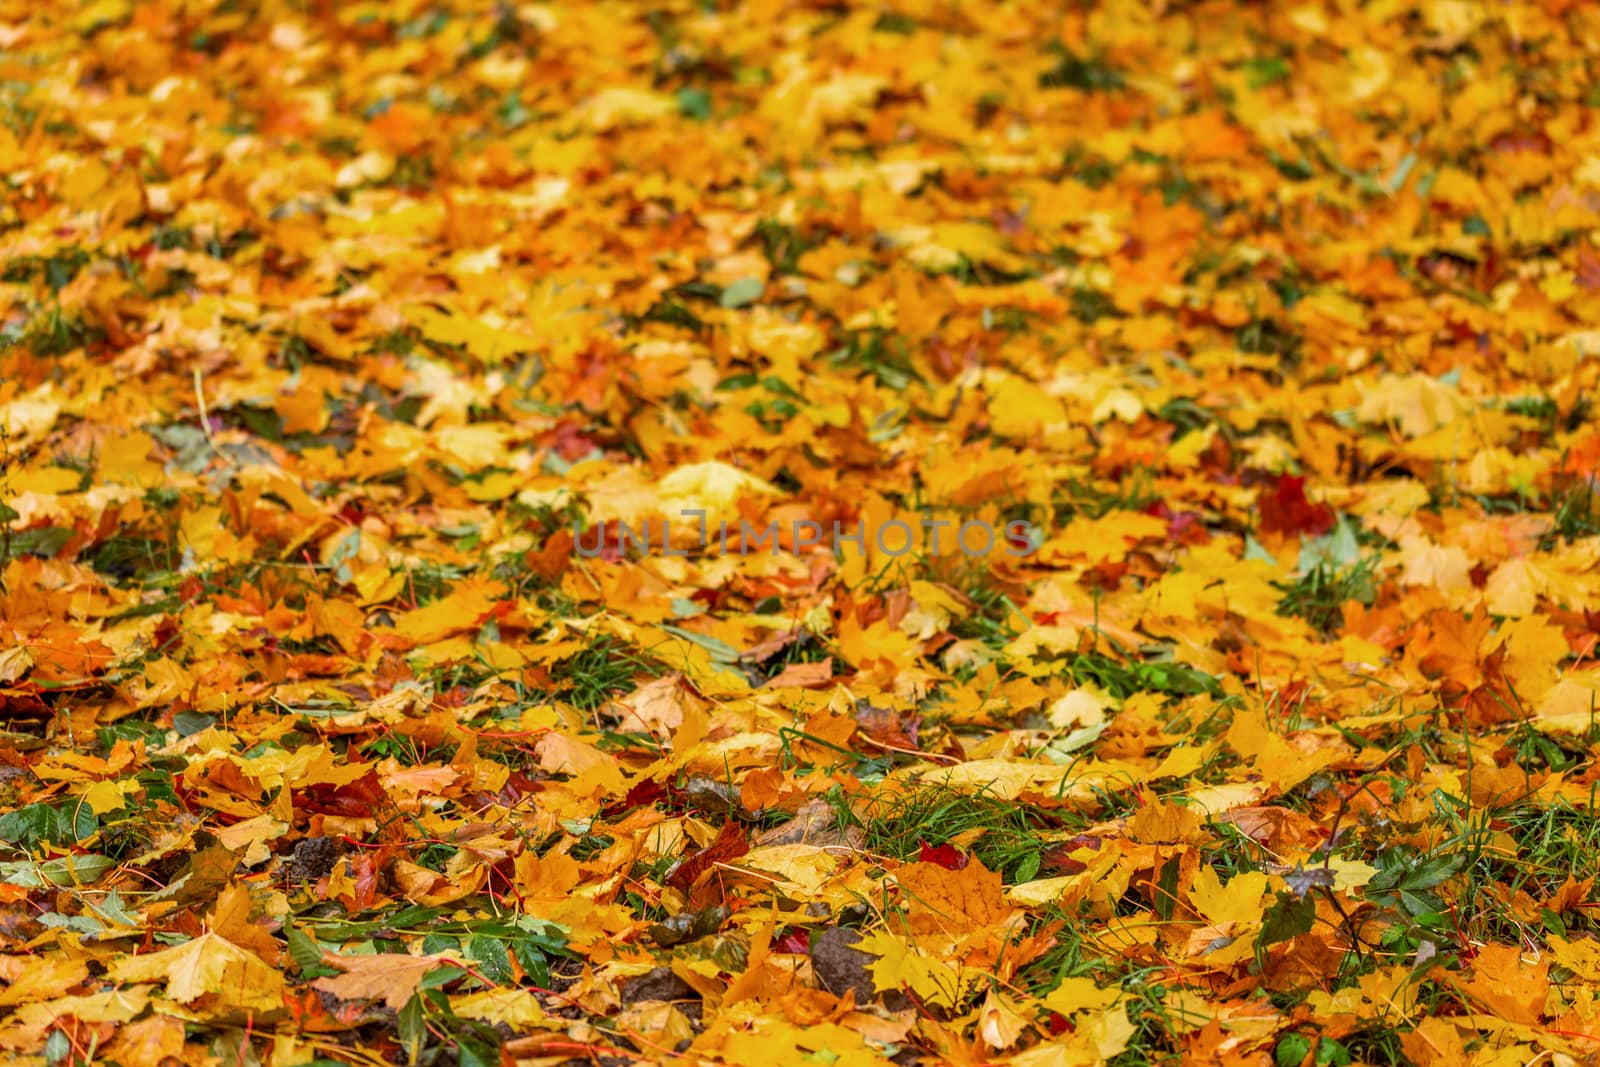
314, 859
840, 966
659, 984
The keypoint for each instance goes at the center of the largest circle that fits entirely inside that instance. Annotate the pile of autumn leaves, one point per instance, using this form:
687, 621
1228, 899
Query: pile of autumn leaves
329, 337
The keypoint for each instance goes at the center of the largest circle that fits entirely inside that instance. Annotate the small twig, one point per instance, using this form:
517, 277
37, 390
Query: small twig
920, 753
205, 420
1346, 919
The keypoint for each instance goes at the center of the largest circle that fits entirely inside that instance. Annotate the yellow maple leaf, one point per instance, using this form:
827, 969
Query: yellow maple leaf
463, 609
485, 341
712, 486
778, 1043
900, 964
1077, 993
619, 106
1237, 902
517, 1008
204, 965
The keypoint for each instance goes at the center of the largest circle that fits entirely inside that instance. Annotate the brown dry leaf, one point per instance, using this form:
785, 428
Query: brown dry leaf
816, 823
230, 919
803, 675
657, 707
390, 977
151, 1042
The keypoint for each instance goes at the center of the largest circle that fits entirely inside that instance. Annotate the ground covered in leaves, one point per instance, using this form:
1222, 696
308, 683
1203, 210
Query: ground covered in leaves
327, 326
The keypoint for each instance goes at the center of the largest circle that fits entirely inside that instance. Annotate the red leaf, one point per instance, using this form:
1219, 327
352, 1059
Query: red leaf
797, 940
1058, 860
1286, 510
1185, 527
359, 799
730, 843
947, 856
366, 868
1058, 864
888, 727
642, 794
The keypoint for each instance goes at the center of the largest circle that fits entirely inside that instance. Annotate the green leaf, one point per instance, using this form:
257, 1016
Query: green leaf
475, 1051
1253, 549
76, 870
1431, 871
303, 950
415, 915
1062, 748
22, 874
1166, 895
81, 924
695, 103
1291, 1050
549, 936
742, 292
411, 1028
189, 723
531, 958
1339, 548
494, 962
440, 976
45, 541
721, 651
63, 871
1288, 918
1331, 1054
436, 944
1422, 909
56, 824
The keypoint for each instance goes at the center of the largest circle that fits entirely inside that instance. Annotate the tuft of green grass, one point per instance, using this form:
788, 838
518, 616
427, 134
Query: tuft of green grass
1091, 305
1319, 595
54, 333
1269, 337
132, 559
994, 620
1135, 491
1011, 839
431, 580
1123, 679
1555, 842
605, 668
1087, 73
1573, 511
1092, 169
782, 244
56, 271
871, 352
1070, 957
